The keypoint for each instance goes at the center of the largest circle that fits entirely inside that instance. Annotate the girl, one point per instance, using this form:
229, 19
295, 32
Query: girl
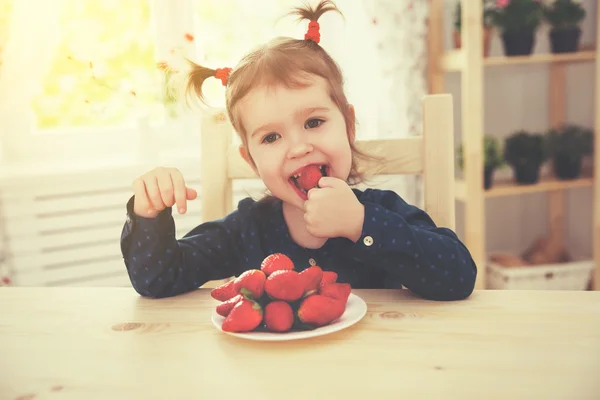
286, 102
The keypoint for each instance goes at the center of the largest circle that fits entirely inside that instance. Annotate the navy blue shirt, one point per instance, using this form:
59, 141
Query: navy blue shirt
399, 246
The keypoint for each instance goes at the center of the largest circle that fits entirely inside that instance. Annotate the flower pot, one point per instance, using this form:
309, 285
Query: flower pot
566, 167
457, 39
488, 177
487, 40
565, 40
527, 174
518, 43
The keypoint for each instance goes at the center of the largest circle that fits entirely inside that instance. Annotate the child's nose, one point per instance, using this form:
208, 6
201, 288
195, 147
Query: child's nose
299, 149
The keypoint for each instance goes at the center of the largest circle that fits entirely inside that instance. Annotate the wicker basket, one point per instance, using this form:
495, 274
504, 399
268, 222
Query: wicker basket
572, 275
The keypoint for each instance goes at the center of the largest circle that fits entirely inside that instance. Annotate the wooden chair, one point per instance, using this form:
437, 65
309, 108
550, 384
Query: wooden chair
430, 155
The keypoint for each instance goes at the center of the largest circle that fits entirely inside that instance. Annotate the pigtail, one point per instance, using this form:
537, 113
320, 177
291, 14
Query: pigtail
198, 74
313, 14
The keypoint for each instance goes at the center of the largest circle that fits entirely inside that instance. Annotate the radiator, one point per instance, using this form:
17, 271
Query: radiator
64, 229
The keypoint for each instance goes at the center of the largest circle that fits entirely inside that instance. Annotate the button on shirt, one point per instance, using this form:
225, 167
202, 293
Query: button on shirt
399, 246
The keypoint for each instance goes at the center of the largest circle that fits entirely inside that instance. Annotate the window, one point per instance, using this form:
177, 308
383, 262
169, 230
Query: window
79, 79
103, 70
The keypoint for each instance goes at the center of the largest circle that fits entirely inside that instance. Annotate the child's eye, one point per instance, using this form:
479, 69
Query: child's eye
270, 138
313, 123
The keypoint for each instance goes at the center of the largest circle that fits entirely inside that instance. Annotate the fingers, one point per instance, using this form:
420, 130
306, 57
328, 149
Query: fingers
330, 182
315, 193
154, 193
141, 204
191, 194
179, 190
159, 189
166, 187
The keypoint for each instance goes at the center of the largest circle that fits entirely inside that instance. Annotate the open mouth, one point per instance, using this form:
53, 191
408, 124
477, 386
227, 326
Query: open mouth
307, 178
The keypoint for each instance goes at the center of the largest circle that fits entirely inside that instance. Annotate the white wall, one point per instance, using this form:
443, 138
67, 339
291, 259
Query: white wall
516, 97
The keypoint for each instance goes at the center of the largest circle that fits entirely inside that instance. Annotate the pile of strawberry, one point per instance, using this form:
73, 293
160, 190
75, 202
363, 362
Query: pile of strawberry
277, 298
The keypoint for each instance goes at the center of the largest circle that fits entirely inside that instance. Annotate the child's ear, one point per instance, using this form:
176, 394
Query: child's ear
352, 125
246, 156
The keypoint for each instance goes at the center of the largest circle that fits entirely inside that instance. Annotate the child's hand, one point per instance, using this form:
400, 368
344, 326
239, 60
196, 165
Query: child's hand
332, 210
158, 189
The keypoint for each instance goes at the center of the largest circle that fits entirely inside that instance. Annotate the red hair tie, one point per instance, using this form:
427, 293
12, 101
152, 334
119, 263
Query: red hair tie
313, 32
223, 75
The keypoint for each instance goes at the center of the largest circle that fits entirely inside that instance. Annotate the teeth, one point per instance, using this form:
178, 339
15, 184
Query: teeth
322, 168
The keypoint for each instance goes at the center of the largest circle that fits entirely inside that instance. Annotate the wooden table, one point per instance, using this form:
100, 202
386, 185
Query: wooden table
109, 343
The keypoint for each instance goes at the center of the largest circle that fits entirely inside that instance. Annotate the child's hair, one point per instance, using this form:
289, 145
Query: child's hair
288, 62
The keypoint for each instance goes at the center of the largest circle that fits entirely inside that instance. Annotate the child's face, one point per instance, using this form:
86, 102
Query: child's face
288, 129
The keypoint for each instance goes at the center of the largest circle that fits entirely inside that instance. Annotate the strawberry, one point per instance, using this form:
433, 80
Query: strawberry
318, 310
309, 177
224, 291
276, 262
251, 283
245, 316
340, 291
312, 278
284, 285
278, 316
225, 307
328, 277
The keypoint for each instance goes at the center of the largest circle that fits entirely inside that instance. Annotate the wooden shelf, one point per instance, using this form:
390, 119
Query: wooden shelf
454, 60
511, 188
472, 65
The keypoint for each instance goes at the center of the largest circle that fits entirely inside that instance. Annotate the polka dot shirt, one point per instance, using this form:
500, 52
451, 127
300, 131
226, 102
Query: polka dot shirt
399, 246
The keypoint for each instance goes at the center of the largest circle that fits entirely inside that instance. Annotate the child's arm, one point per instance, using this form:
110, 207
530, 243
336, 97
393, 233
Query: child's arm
159, 265
402, 239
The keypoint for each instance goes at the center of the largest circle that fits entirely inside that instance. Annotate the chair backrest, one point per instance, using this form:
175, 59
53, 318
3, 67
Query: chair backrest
430, 155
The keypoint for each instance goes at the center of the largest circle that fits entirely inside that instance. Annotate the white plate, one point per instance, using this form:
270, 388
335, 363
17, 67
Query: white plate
356, 308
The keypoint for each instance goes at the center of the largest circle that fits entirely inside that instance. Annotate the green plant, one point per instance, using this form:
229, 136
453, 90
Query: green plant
563, 14
492, 151
523, 148
526, 152
570, 141
487, 22
567, 145
516, 16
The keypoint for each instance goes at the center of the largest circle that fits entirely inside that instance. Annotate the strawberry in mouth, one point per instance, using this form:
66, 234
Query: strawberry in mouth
307, 178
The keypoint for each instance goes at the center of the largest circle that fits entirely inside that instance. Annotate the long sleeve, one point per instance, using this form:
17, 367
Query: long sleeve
402, 239
159, 265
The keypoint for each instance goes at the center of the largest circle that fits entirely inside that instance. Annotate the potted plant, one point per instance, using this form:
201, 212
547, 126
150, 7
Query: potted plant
492, 159
518, 20
564, 17
525, 152
567, 146
487, 27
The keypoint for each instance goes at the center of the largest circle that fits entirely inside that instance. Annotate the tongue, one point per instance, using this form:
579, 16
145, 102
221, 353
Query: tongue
309, 177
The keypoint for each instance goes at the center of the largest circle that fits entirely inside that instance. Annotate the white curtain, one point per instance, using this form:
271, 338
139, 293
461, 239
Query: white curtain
32, 34
400, 32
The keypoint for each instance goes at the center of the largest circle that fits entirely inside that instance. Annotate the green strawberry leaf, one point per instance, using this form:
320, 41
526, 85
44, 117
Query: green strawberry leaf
246, 293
